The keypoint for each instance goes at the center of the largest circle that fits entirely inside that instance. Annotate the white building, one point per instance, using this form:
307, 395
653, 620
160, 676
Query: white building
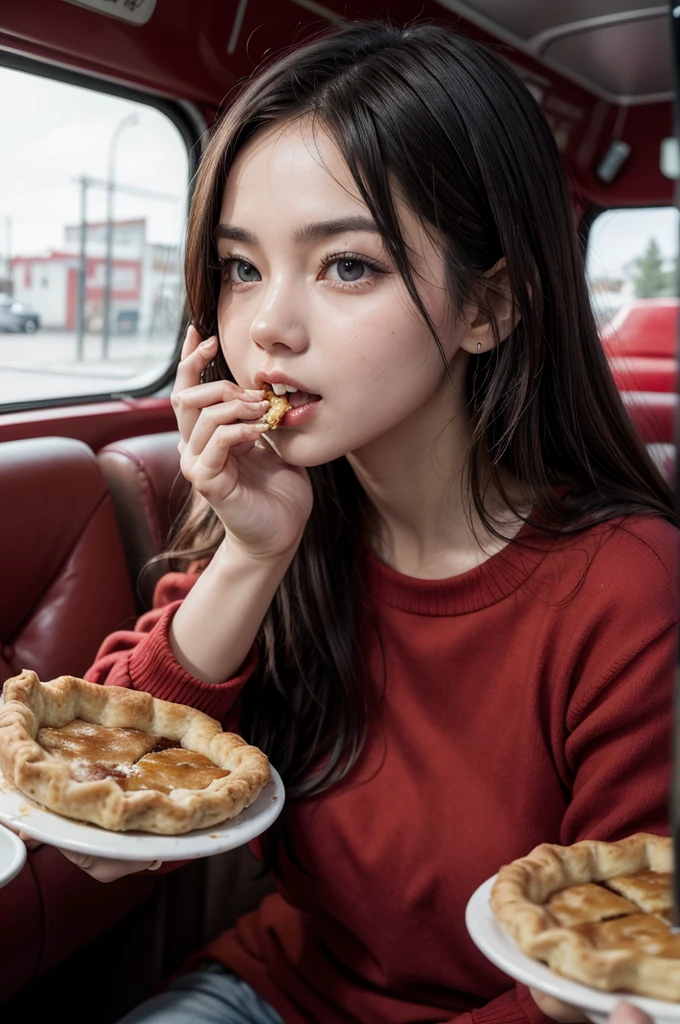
146, 281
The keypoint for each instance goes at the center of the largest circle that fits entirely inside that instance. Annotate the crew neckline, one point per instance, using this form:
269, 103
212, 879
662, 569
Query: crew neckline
494, 579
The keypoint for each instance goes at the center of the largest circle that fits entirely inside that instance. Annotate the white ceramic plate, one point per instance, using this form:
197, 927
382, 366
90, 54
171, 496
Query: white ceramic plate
502, 951
12, 856
39, 823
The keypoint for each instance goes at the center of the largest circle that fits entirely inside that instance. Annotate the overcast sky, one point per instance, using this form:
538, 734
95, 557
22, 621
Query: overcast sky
53, 133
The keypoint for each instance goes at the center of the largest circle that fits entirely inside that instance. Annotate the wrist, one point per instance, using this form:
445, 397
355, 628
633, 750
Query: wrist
231, 553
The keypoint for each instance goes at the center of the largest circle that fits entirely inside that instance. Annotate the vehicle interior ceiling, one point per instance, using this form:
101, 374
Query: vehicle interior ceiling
603, 74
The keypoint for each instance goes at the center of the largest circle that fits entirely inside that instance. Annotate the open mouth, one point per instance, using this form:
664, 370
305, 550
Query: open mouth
284, 401
298, 398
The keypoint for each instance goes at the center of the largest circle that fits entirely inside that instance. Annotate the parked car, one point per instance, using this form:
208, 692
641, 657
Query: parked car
15, 316
640, 342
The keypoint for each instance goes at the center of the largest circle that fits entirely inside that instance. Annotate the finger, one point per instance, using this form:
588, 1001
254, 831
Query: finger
212, 463
626, 1013
105, 869
192, 339
564, 1013
31, 844
190, 368
190, 402
239, 450
223, 414
199, 396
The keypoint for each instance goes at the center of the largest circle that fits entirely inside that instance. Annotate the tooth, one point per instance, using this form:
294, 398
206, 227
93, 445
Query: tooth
279, 389
290, 389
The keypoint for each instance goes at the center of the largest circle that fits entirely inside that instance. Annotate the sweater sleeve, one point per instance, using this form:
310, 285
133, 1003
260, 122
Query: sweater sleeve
142, 658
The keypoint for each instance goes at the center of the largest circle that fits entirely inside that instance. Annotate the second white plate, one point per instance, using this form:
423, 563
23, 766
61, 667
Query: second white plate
39, 823
499, 948
12, 856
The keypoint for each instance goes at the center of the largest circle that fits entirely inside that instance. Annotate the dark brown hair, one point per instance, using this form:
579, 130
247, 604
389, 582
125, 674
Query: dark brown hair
450, 125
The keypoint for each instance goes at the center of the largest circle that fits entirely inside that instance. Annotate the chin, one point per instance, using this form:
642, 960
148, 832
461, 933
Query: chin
305, 451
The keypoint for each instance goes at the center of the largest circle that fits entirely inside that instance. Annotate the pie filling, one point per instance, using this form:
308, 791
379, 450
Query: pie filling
131, 758
629, 912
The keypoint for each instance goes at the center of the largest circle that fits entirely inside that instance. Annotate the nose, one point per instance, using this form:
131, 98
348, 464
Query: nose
278, 320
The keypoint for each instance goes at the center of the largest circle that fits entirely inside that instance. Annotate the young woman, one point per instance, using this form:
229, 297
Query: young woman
442, 596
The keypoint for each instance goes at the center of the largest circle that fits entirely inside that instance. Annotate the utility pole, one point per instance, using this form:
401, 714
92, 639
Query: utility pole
82, 271
127, 122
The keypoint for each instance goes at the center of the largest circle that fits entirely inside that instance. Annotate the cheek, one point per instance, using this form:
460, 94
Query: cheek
234, 332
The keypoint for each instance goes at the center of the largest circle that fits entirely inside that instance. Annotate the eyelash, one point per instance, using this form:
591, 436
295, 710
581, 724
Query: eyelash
224, 262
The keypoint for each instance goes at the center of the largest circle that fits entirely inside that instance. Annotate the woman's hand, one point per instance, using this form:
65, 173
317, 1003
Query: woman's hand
262, 502
623, 1013
101, 868
104, 869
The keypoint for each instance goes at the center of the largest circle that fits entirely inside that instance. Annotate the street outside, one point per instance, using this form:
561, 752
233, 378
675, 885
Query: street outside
45, 364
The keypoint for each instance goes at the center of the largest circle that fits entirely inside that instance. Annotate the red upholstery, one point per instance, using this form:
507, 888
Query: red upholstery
65, 581
148, 492
65, 587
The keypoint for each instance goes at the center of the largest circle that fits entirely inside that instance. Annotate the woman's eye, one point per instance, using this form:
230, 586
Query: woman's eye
347, 270
241, 272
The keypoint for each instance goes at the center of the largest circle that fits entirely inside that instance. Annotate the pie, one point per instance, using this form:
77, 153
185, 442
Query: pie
599, 913
278, 407
123, 759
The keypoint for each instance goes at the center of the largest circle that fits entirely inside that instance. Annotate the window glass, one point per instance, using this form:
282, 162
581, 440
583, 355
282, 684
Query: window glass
632, 262
93, 199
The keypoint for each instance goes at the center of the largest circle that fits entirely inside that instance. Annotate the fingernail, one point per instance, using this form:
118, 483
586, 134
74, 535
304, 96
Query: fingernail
208, 344
253, 394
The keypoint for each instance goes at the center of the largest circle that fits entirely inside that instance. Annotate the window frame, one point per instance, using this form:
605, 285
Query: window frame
192, 127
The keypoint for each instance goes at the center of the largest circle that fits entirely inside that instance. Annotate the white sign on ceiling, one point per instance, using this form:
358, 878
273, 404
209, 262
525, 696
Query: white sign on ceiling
137, 12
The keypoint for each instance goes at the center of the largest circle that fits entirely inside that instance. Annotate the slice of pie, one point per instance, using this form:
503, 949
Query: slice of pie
596, 912
278, 407
123, 759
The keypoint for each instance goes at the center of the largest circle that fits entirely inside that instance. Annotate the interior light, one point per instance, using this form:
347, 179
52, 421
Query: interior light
669, 158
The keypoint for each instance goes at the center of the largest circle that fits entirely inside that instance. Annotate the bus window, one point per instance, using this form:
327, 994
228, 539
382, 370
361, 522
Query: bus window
93, 196
632, 266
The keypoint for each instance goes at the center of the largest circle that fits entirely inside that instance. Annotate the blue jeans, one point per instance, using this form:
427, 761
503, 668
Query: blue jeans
208, 996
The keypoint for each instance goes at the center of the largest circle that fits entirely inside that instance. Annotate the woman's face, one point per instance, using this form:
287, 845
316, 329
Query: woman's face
310, 296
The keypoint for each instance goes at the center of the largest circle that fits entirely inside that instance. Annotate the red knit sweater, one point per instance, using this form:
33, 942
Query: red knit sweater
527, 700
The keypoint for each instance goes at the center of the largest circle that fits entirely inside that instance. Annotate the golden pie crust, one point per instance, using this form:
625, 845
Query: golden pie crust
278, 407
598, 913
123, 759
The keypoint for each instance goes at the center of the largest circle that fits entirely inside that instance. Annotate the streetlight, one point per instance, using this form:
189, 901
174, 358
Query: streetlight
127, 122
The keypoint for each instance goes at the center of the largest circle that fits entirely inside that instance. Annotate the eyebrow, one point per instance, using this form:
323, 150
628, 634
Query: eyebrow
309, 233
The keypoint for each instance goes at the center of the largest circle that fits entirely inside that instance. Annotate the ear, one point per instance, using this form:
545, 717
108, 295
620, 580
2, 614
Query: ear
494, 296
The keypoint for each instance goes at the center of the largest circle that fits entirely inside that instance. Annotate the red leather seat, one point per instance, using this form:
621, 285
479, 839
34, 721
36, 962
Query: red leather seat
65, 587
148, 492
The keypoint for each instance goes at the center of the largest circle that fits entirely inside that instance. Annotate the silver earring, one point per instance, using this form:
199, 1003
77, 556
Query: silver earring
479, 346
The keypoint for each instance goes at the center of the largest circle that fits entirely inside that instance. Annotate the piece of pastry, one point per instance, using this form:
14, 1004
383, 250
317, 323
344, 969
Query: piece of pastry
596, 912
123, 759
278, 407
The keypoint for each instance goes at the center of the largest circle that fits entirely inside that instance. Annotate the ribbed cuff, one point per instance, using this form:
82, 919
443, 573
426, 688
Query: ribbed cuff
504, 1009
154, 668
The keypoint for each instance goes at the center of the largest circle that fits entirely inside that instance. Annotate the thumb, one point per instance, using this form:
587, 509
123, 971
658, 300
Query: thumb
626, 1013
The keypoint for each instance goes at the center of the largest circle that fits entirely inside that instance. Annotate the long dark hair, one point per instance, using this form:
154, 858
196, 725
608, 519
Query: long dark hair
449, 124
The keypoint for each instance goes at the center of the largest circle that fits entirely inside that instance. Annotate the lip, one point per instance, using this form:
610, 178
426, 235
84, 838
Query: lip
300, 415
275, 377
